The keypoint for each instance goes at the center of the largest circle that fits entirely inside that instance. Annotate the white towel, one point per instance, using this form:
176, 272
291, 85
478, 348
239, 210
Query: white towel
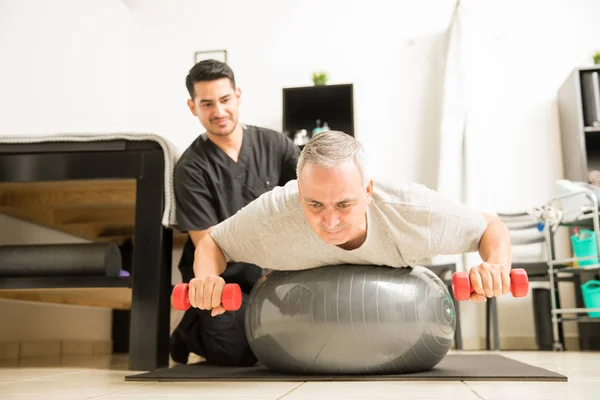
169, 150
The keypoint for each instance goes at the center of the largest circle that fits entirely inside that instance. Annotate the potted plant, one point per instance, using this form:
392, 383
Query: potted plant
320, 78
597, 57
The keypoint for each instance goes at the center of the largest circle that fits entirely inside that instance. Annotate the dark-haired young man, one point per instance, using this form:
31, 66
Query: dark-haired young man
222, 171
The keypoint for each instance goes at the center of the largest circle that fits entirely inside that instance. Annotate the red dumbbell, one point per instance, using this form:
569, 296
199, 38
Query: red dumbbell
231, 299
519, 284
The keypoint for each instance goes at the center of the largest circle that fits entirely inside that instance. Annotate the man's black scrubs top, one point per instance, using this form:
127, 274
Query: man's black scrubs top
210, 187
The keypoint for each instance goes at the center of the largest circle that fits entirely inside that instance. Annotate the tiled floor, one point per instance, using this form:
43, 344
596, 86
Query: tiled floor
74, 378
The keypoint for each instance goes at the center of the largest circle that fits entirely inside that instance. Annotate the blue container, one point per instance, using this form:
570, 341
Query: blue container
591, 296
585, 245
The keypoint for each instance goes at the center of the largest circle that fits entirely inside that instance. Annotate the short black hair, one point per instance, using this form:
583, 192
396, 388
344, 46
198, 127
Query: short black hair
208, 70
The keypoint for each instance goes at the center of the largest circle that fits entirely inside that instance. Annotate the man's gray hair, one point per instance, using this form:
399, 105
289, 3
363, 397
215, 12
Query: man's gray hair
331, 148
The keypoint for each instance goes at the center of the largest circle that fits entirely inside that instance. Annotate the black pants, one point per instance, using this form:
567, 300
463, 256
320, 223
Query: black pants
220, 340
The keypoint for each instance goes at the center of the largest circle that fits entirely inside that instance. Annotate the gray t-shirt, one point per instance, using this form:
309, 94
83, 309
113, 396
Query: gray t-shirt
406, 224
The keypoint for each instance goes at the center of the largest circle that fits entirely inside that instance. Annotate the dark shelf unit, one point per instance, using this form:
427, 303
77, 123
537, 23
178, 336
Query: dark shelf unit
578, 106
303, 106
578, 101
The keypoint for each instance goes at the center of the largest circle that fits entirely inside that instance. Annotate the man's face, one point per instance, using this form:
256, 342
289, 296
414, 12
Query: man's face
335, 203
216, 106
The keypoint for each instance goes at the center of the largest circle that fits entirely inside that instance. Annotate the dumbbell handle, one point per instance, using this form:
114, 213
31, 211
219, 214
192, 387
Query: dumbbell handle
461, 286
231, 298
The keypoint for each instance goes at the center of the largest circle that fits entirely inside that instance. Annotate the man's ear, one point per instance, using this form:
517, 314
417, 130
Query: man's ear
192, 107
238, 94
369, 189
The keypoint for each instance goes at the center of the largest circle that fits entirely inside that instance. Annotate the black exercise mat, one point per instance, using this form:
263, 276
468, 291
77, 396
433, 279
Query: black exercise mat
454, 367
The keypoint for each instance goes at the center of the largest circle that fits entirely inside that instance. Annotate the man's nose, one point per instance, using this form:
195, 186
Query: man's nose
220, 110
330, 219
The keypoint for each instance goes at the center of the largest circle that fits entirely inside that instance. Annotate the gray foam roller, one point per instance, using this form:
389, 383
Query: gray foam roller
350, 319
78, 259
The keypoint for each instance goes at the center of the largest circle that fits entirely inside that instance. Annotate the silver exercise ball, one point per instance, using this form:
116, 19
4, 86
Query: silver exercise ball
350, 319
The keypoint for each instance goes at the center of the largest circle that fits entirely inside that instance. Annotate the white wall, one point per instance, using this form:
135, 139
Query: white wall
391, 52
110, 65
64, 66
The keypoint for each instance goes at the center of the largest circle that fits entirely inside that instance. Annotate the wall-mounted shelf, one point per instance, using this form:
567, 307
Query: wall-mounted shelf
303, 106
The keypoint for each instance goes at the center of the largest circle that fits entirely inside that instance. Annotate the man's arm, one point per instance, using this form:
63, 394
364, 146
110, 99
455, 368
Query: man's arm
492, 277
238, 238
209, 259
495, 245
196, 236
206, 288
457, 229
235, 239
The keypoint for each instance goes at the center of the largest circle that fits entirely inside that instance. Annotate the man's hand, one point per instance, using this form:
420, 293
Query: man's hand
206, 289
489, 280
206, 292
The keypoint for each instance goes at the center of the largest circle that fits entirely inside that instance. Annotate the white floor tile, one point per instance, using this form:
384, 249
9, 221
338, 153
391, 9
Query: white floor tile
582, 370
19, 374
536, 390
75, 383
215, 389
382, 390
42, 397
184, 397
73, 387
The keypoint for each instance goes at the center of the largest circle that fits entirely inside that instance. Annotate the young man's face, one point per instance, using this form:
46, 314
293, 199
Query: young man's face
216, 105
335, 202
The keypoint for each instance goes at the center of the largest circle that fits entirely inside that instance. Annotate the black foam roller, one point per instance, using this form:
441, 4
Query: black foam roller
78, 259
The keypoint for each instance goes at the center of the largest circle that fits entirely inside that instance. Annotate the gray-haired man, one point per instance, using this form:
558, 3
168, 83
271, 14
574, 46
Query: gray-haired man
335, 214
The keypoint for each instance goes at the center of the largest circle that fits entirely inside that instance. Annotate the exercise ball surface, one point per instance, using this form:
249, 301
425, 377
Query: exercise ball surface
350, 319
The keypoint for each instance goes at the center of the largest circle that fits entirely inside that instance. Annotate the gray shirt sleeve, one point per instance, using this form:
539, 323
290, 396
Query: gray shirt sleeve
258, 232
454, 227
239, 236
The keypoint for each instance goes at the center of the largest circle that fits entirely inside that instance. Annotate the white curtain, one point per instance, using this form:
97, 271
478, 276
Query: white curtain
451, 172
452, 168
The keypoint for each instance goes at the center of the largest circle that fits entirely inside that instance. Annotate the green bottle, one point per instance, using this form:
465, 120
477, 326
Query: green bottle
317, 129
